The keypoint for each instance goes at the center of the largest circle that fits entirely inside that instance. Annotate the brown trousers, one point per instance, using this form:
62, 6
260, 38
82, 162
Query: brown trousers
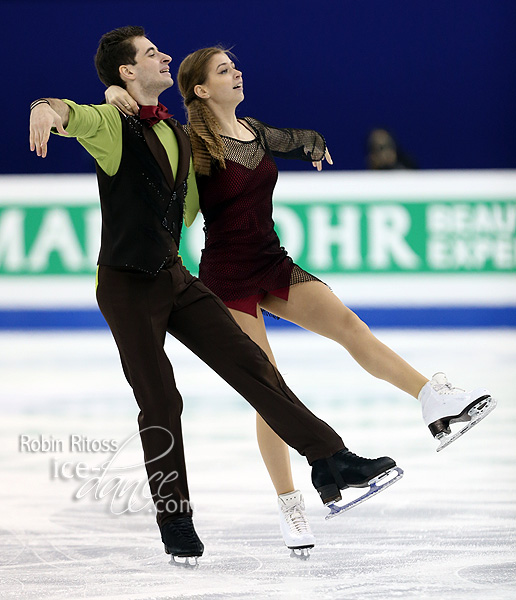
140, 309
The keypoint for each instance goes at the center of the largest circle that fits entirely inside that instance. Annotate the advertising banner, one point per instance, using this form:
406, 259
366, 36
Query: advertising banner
378, 239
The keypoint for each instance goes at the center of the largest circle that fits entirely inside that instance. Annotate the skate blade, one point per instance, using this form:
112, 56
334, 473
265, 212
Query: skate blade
376, 485
186, 562
300, 553
476, 414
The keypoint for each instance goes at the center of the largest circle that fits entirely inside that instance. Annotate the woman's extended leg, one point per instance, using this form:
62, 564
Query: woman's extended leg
274, 451
315, 307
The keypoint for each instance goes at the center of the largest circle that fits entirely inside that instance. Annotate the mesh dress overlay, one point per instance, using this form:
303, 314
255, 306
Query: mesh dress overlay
242, 259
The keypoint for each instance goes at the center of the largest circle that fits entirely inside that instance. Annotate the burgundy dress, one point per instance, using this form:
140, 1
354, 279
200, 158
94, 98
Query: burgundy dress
242, 259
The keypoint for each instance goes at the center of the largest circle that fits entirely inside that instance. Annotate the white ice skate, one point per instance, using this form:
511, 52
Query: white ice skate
294, 526
443, 405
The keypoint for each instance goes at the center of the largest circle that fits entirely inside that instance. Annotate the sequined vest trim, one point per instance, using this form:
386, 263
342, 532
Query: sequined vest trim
142, 204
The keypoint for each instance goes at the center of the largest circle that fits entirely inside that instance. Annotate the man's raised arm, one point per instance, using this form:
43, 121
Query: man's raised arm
45, 114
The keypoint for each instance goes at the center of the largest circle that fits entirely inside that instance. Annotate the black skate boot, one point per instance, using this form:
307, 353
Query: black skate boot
181, 540
347, 470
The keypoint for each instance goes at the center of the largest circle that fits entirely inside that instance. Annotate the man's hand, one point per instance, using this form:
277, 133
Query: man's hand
42, 118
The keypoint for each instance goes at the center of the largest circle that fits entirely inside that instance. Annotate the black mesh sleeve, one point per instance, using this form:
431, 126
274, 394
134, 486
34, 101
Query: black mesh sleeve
301, 144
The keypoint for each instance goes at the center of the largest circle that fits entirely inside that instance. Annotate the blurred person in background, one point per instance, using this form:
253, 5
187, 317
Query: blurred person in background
384, 153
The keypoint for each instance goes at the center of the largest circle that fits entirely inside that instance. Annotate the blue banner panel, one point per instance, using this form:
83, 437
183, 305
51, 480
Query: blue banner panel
391, 318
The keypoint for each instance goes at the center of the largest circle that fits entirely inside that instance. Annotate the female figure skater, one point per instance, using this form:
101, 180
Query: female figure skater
245, 265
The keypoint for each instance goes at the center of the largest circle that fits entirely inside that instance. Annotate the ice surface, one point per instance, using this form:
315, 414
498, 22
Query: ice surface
445, 531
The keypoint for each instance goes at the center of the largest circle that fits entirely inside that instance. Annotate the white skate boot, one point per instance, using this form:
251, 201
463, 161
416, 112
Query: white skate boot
443, 405
294, 526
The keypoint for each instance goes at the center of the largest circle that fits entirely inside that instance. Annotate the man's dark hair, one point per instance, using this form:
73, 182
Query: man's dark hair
116, 48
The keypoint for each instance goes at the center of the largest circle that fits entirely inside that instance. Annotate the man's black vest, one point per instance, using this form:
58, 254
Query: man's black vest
142, 204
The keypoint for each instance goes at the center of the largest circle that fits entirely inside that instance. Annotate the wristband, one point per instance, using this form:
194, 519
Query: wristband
39, 101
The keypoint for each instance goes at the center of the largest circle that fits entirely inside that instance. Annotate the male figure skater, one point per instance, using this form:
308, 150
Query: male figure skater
142, 166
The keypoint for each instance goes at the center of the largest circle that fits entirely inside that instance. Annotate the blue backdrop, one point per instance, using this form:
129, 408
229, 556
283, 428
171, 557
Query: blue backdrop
439, 73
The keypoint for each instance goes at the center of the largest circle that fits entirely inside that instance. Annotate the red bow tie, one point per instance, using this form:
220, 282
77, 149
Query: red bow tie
153, 114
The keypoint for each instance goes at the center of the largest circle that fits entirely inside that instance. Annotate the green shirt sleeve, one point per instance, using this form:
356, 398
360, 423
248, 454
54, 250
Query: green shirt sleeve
192, 198
98, 129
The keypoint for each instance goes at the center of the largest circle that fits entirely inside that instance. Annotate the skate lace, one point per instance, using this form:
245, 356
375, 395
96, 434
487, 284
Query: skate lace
360, 458
446, 388
296, 519
186, 530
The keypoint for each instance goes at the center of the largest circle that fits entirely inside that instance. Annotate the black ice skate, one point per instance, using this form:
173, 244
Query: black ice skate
347, 470
181, 541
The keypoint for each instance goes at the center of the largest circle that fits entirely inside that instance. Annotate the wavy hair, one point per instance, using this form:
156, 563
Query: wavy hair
207, 145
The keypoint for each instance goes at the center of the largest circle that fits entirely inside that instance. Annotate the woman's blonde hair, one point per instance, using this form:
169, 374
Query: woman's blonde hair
207, 145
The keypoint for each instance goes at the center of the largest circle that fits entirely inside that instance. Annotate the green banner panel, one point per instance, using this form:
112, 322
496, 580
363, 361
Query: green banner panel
370, 236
